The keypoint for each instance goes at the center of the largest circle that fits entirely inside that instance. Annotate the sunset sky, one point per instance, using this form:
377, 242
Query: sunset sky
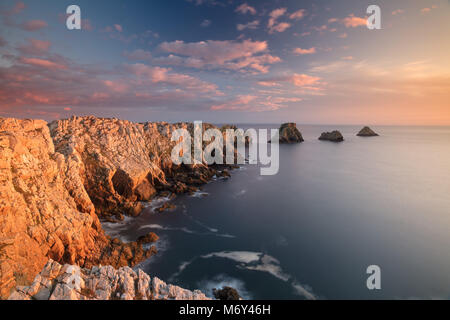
311, 62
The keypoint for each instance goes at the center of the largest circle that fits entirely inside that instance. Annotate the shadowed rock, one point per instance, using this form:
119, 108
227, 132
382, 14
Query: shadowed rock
334, 136
290, 134
367, 132
226, 293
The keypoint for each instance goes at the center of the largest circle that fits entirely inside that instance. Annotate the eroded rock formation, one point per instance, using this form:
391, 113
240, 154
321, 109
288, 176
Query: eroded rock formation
70, 282
290, 134
367, 132
334, 136
57, 180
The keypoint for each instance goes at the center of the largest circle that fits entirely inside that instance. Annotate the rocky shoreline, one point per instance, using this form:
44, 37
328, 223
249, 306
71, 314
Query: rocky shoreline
59, 179
70, 282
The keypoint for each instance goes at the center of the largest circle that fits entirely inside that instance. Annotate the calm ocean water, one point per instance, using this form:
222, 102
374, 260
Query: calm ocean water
312, 230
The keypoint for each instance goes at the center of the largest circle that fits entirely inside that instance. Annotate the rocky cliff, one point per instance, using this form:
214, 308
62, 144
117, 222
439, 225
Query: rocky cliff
58, 178
69, 282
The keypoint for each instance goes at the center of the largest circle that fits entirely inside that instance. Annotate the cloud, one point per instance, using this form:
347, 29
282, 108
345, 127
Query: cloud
397, 12
35, 47
57, 83
118, 27
300, 51
273, 25
227, 54
42, 63
245, 8
251, 25
297, 15
206, 23
34, 25
343, 35
242, 102
427, 10
352, 21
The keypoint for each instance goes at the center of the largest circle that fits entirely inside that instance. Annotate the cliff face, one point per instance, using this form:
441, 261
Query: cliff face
120, 163
38, 215
68, 282
56, 179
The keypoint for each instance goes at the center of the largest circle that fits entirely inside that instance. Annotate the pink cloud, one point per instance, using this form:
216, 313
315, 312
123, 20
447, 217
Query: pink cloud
427, 10
397, 12
35, 47
273, 25
34, 25
280, 27
251, 25
245, 8
352, 21
300, 51
297, 15
343, 35
232, 55
241, 102
118, 27
42, 63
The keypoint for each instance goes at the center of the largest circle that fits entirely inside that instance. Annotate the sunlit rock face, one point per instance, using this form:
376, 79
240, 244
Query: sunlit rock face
290, 134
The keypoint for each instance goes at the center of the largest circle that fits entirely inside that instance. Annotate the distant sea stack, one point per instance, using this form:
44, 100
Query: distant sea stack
367, 132
334, 136
290, 134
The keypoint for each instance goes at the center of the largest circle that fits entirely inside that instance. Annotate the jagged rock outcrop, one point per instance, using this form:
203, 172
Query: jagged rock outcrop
121, 163
334, 136
367, 132
45, 211
57, 180
290, 134
70, 282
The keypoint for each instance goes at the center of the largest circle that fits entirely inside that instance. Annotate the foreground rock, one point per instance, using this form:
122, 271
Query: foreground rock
367, 132
226, 293
68, 282
334, 136
57, 179
290, 134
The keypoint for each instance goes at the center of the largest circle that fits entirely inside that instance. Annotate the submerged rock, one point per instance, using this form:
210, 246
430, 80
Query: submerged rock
290, 134
68, 282
367, 132
334, 136
226, 293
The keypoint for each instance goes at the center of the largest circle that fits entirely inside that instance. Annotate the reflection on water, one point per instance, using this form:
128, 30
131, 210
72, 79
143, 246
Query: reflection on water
312, 230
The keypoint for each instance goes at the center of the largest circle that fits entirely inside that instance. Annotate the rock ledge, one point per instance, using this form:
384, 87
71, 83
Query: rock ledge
70, 282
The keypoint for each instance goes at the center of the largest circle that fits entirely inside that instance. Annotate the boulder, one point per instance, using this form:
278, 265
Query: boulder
367, 132
334, 136
290, 134
226, 293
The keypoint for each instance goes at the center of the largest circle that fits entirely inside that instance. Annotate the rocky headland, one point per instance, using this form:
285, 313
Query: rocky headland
334, 136
59, 179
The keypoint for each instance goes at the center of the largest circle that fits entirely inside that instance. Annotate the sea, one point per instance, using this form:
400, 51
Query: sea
312, 230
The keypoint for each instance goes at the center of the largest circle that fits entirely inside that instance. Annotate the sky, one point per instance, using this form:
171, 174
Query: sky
230, 61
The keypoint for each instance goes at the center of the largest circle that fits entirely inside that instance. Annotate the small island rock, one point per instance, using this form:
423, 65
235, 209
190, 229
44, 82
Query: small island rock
367, 132
290, 134
334, 136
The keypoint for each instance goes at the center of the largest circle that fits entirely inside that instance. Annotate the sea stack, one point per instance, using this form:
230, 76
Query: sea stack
334, 136
290, 134
367, 132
